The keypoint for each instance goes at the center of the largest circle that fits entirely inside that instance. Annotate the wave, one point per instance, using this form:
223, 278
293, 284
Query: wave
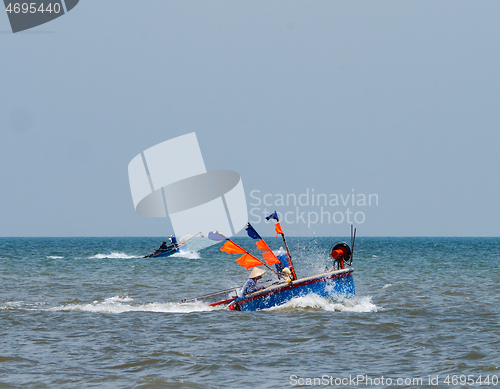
187, 254
313, 301
114, 255
121, 304
54, 257
11, 305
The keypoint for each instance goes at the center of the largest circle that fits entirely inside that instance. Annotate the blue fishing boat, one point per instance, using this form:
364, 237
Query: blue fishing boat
336, 281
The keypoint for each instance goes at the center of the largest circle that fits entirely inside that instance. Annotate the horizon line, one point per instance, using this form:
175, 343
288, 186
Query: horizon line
268, 236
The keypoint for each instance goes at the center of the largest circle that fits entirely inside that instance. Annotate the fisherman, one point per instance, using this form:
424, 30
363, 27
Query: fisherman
163, 246
171, 245
251, 284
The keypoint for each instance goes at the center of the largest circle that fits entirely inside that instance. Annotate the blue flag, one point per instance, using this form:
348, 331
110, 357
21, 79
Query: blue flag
273, 215
251, 232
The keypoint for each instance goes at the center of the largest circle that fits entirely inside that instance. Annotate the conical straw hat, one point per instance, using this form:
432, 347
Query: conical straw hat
256, 272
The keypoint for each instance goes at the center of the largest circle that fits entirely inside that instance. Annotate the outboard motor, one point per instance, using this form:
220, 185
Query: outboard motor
342, 253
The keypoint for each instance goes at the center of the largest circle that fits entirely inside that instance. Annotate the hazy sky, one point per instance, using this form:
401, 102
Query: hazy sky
398, 99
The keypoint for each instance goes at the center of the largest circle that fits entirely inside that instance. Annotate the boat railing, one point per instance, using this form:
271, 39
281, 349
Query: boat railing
215, 297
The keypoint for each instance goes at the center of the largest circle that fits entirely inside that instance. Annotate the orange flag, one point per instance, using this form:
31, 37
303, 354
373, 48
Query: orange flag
232, 248
270, 258
261, 245
278, 229
248, 261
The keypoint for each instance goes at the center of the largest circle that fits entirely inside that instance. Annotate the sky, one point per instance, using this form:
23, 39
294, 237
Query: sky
395, 99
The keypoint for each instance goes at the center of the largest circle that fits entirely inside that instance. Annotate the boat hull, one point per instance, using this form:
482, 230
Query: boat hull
166, 253
338, 283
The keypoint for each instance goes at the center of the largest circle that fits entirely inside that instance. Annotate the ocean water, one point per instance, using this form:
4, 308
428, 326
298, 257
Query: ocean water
92, 313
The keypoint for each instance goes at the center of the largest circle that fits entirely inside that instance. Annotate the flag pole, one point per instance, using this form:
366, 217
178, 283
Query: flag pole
289, 257
279, 230
183, 242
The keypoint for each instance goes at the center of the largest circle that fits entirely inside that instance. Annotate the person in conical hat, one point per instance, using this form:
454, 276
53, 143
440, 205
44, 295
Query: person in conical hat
251, 284
256, 273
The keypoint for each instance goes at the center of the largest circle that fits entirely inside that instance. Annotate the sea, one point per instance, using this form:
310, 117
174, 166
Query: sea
93, 313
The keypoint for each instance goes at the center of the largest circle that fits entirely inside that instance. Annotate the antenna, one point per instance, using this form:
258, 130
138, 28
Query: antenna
353, 238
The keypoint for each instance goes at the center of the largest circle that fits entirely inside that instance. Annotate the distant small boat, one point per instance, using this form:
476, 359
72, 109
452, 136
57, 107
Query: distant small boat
173, 247
336, 281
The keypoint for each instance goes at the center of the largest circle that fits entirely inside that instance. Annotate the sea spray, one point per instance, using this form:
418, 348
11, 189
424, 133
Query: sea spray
314, 302
121, 304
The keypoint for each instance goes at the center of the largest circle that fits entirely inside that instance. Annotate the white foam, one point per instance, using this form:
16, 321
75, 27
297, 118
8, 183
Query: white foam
119, 299
387, 285
355, 304
54, 257
114, 255
11, 305
121, 304
187, 254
